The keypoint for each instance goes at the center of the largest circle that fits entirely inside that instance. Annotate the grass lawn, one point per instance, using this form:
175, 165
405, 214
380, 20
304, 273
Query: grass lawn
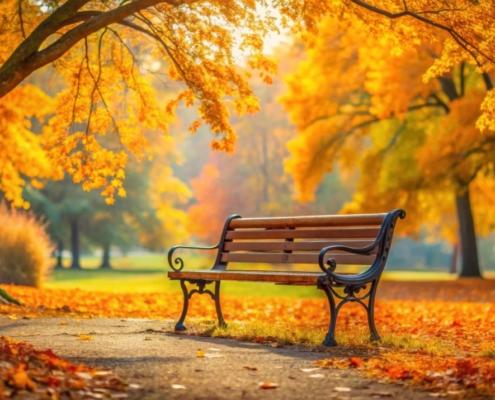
147, 273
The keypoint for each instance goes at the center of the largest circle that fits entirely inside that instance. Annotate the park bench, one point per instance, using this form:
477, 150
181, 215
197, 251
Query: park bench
325, 241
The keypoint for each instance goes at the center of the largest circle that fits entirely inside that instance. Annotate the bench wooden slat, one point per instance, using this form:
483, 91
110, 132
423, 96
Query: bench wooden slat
292, 246
295, 258
309, 221
287, 277
324, 233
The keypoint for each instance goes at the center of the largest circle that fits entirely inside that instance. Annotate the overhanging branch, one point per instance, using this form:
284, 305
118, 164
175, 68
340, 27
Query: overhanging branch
28, 57
471, 48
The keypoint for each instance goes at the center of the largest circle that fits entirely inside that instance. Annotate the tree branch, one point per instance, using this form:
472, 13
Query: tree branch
441, 103
420, 16
21, 19
28, 58
46, 28
487, 80
462, 79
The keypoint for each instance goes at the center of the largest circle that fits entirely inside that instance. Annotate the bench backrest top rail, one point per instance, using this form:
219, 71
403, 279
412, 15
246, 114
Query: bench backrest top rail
309, 221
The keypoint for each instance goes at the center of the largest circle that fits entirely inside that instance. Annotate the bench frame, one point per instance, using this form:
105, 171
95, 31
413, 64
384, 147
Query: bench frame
358, 288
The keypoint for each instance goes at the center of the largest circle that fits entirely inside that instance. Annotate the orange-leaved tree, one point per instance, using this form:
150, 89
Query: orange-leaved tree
106, 52
412, 107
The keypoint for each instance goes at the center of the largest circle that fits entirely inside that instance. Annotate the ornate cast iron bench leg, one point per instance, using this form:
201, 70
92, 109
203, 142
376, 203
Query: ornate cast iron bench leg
350, 295
218, 306
330, 337
187, 294
375, 337
179, 326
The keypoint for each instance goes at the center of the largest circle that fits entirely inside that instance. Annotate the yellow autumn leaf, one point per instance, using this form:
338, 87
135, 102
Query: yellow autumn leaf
21, 380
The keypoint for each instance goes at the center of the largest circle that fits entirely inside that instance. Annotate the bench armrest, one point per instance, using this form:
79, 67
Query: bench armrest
332, 265
179, 263
382, 241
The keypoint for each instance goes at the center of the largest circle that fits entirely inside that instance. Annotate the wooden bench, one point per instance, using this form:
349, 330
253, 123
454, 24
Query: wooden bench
324, 241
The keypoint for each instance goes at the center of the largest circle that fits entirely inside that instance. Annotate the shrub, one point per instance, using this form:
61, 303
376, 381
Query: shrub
25, 248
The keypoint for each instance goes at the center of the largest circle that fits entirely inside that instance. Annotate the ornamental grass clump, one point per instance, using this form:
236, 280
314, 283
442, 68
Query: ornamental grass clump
25, 248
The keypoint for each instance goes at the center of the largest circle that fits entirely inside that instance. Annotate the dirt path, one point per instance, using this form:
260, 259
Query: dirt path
142, 352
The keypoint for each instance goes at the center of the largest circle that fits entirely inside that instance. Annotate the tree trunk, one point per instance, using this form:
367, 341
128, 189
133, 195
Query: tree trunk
265, 168
74, 243
105, 261
60, 249
455, 256
469, 252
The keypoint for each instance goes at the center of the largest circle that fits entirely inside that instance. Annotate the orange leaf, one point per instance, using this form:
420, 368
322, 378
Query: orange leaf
21, 380
267, 385
356, 362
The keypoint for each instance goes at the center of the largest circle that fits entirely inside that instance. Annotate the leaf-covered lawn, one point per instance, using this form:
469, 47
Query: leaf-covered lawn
446, 343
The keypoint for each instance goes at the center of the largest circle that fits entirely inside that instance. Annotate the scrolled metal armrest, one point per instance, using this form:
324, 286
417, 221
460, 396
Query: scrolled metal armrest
332, 264
371, 273
178, 261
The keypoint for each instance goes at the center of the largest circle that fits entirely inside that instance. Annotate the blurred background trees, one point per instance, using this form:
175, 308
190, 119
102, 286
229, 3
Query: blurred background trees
411, 133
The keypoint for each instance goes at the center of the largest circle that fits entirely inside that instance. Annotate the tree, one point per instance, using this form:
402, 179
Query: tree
105, 51
416, 129
134, 219
67, 208
253, 182
49, 204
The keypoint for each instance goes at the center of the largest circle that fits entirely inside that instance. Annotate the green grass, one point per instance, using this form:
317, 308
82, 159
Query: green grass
147, 273
155, 281
146, 261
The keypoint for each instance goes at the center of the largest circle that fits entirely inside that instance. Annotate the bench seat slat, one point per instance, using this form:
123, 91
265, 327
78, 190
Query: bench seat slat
292, 246
300, 278
324, 233
296, 258
309, 221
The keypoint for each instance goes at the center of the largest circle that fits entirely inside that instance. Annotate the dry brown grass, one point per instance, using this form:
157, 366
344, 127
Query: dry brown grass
25, 248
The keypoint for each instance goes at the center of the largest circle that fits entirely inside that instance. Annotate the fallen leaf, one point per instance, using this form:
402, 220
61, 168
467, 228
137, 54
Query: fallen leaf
200, 353
102, 373
134, 386
356, 362
21, 380
309, 369
249, 368
342, 389
83, 337
84, 375
267, 385
398, 372
177, 386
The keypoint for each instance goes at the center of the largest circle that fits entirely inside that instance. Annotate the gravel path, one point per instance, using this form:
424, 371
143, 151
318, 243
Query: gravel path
167, 366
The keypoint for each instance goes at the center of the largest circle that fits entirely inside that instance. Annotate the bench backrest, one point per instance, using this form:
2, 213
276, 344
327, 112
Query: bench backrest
300, 239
